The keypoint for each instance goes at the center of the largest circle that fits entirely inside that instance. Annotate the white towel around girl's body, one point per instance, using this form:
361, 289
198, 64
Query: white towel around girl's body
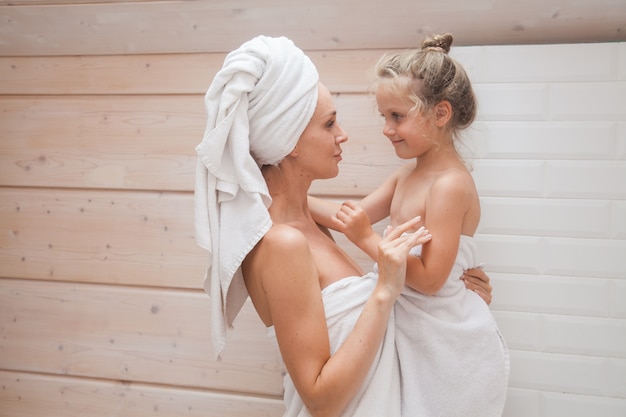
454, 362
379, 395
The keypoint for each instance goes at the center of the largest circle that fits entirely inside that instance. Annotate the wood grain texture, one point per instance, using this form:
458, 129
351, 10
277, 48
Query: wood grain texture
132, 334
139, 142
107, 28
104, 236
341, 71
30, 394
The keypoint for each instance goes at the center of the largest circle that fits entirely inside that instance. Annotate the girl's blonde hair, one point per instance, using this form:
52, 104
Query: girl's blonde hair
429, 76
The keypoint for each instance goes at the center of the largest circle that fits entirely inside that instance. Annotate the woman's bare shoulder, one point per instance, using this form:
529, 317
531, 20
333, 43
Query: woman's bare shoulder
284, 237
279, 247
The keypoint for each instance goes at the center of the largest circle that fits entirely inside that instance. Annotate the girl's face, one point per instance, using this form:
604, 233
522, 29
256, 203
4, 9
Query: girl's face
410, 133
319, 147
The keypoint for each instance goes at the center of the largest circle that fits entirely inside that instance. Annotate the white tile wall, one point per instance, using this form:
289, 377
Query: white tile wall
549, 149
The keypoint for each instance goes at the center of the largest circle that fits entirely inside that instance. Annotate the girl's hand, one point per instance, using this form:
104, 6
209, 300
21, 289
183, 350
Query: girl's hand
478, 281
353, 222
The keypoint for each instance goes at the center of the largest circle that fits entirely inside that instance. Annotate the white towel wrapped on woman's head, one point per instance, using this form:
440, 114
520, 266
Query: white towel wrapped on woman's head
258, 105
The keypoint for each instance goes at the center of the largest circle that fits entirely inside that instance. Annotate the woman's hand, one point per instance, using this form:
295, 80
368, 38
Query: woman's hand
393, 250
478, 281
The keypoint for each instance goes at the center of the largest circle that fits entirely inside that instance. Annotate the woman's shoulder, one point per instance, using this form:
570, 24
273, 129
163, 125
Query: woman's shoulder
283, 242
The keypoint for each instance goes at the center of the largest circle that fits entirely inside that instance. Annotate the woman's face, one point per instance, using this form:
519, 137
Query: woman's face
319, 148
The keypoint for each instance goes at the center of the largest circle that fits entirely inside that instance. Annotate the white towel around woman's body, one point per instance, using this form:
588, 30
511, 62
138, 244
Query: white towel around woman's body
379, 395
454, 362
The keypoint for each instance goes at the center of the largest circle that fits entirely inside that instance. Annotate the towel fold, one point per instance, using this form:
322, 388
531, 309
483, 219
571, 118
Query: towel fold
379, 395
257, 106
454, 362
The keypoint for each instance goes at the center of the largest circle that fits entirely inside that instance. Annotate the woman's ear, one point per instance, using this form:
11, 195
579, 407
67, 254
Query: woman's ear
443, 113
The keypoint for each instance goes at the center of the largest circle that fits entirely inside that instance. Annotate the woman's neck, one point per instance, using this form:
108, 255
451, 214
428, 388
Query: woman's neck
289, 194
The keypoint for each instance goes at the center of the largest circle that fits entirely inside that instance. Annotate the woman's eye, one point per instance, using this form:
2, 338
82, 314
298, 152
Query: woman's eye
330, 124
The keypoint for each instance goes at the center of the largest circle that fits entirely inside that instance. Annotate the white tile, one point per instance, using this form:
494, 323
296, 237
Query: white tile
547, 217
521, 331
559, 63
617, 378
521, 403
560, 373
591, 297
510, 178
587, 101
618, 219
472, 60
620, 152
557, 404
511, 254
586, 179
512, 101
585, 257
600, 337
617, 298
546, 140
621, 59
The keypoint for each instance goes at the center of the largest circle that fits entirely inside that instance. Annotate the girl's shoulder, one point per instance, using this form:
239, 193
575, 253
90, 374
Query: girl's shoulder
453, 182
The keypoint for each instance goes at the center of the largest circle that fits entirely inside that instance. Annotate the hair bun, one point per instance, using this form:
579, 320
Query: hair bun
440, 43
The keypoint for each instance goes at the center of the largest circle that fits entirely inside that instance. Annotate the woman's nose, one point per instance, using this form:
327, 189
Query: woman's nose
342, 137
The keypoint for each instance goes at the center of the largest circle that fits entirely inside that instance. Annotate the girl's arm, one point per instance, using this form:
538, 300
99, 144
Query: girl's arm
447, 202
282, 275
376, 204
323, 211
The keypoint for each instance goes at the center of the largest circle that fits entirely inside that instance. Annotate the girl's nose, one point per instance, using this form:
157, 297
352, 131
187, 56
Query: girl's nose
388, 130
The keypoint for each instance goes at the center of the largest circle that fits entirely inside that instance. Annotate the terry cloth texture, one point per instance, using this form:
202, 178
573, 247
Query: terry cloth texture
257, 106
454, 362
379, 395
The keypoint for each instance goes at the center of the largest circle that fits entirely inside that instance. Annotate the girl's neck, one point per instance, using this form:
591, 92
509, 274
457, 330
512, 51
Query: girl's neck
438, 156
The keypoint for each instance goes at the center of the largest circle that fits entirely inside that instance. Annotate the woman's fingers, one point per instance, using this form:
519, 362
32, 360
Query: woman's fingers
395, 232
478, 281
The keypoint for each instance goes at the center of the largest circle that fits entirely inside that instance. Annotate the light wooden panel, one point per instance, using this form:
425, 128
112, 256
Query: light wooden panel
26, 394
148, 143
214, 26
131, 334
114, 237
109, 142
340, 71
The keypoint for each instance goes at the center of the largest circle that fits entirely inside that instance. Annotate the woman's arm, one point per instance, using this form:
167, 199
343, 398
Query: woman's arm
289, 287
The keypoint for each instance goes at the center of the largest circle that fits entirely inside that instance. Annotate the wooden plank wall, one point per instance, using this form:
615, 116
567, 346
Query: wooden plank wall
101, 306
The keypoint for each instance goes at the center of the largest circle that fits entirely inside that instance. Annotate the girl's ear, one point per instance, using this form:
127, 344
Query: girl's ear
443, 113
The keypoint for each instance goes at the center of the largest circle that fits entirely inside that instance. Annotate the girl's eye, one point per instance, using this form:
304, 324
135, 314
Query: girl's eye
393, 116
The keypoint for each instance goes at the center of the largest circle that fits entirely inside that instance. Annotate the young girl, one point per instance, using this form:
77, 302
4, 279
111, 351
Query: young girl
451, 352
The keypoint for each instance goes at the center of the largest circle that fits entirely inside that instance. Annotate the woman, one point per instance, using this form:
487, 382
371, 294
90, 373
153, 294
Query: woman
271, 131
